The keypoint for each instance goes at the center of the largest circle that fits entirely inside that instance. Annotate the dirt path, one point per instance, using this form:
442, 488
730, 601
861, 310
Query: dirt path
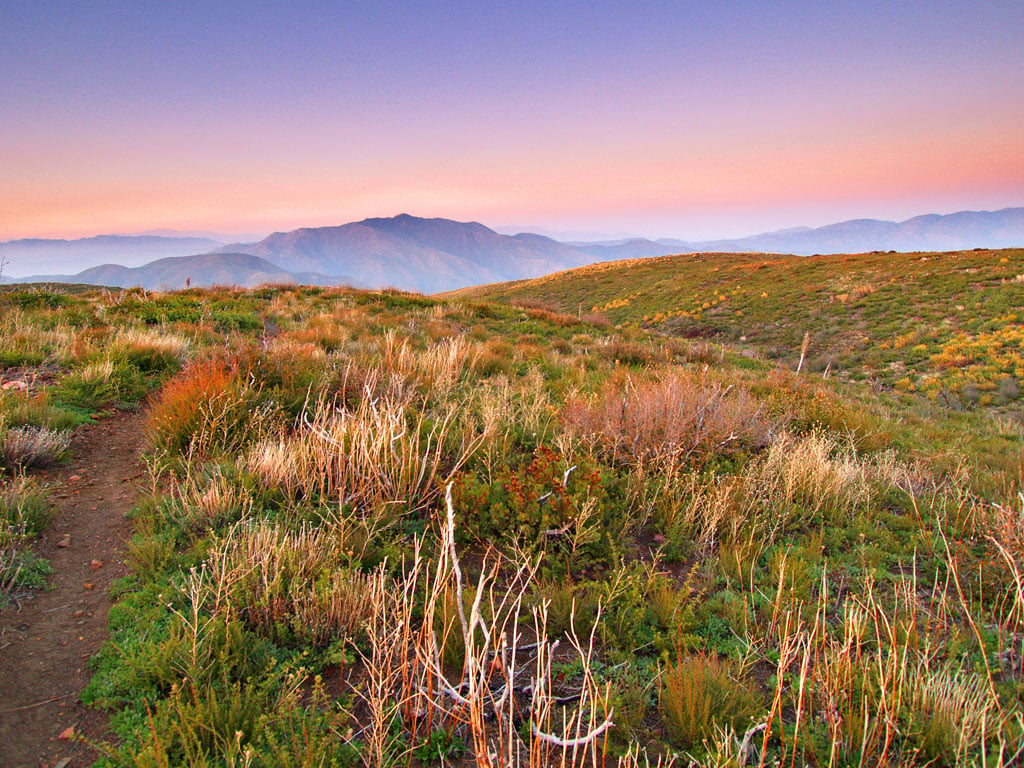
46, 641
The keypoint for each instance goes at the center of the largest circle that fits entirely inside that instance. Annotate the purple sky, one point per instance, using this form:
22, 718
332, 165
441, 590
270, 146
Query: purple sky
685, 119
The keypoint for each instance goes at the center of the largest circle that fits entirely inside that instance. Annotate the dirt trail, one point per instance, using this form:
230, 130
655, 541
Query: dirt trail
46, 640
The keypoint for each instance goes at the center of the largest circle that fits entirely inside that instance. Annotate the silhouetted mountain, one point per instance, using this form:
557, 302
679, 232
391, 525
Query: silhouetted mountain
408, 252
203, 270
32, 256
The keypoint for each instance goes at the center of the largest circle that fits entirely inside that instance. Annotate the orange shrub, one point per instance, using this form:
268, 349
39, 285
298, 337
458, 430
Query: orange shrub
204, 408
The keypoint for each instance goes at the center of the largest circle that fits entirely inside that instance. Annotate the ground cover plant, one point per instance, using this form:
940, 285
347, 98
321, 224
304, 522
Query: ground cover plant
387, 529
948, 326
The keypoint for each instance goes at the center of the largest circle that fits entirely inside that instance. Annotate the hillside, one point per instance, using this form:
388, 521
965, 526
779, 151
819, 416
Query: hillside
383, 529
203, 270
950, 325
412, 253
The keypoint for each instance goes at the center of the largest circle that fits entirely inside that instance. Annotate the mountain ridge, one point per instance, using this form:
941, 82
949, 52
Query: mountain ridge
433, 255
410, 252
962, 230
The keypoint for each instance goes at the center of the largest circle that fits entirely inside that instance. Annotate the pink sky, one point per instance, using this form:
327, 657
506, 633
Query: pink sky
664, 120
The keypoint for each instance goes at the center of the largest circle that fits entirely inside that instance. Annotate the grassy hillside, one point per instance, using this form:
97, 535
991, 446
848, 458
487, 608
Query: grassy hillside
948, 325
391, 530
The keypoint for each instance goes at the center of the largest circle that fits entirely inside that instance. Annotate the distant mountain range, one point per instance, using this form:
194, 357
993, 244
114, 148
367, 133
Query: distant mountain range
36, 256
933, 232
434, 255
202, 270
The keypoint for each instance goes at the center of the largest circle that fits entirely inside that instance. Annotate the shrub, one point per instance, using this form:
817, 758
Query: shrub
17, 410
953, 712
31, 446
293, 587
811, 474
152, 352
204, 409
700, 693
545, 504
100, 385
24, 506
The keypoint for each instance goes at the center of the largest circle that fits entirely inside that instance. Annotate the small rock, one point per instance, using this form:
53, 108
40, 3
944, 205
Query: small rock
95, 564
65, 541
78, 614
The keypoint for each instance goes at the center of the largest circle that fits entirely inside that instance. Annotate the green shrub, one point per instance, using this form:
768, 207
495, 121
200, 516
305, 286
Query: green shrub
546, 504
100, 385
24, 512
700, 693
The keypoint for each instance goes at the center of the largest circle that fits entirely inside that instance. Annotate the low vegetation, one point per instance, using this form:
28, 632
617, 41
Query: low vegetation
386, 529
947, 326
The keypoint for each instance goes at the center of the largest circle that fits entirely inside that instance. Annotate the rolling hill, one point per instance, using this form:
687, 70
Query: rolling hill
949, 325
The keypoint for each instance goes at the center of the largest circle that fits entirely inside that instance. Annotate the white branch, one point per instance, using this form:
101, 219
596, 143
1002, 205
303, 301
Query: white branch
571, 743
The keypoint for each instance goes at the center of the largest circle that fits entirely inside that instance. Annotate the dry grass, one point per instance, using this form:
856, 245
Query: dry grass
677, 418
292, 586
377, 456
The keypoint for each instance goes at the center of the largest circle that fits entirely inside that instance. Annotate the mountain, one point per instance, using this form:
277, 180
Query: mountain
435, 255
31, 256
203, 270
413, 253
932, 232
634, 248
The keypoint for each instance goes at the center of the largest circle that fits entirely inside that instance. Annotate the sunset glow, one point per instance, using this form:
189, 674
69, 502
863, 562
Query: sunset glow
666, 119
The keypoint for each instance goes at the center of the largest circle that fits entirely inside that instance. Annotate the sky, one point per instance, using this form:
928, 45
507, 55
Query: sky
667, 119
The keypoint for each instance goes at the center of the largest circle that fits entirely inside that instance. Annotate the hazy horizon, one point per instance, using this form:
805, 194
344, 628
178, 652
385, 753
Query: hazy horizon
565, 235
661, 119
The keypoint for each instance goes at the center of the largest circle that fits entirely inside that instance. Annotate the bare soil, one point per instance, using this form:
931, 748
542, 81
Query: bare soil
47, 638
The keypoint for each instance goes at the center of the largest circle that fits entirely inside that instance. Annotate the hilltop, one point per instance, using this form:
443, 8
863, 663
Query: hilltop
949, 325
